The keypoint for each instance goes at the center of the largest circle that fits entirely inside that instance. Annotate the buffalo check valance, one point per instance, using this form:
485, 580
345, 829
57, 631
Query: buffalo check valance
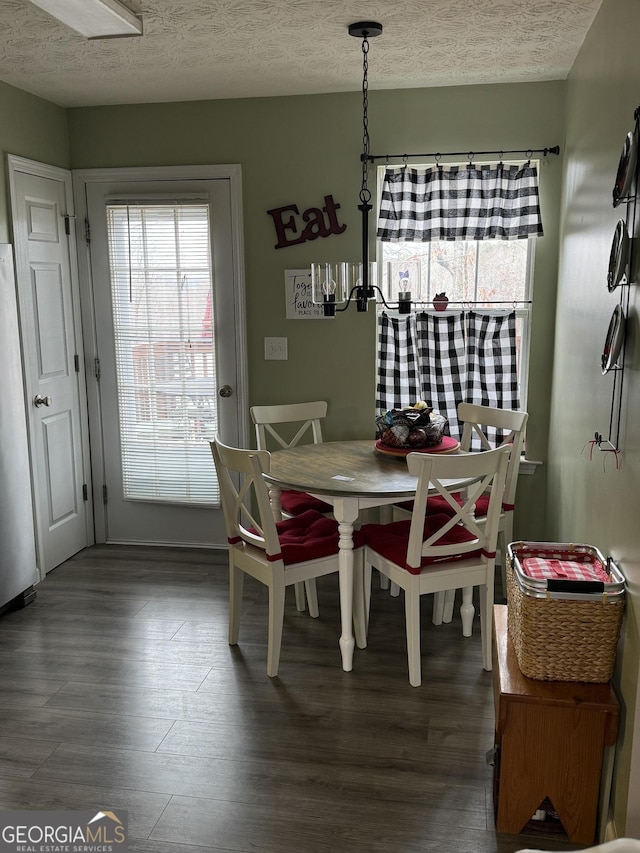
487, 202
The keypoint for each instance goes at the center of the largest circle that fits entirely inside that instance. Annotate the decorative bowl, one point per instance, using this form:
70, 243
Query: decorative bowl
410, 428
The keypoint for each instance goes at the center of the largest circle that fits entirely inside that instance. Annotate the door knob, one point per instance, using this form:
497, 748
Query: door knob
226, 391
39, 400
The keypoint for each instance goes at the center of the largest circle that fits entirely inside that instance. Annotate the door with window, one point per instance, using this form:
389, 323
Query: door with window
164, 283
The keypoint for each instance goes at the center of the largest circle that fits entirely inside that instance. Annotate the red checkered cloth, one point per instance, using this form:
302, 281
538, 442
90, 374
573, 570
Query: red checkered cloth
543, 568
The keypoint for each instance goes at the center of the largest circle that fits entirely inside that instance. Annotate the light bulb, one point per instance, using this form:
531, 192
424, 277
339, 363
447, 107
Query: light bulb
403, 282
328, 288
328, 285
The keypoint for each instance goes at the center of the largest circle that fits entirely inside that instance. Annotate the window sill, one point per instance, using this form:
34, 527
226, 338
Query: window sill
528, 466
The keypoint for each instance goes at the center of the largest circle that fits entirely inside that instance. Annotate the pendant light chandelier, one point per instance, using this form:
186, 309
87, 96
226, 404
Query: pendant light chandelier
336, 285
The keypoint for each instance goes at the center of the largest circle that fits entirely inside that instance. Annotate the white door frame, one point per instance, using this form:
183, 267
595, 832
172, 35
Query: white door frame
17, 165
81, 178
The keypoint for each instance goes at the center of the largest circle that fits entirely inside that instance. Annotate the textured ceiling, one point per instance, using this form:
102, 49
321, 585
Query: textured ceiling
204, 49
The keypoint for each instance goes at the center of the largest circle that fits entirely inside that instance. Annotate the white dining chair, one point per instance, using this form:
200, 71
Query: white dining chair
484, 428
279, 427
490, 427
435, 553
287, 425
278, 554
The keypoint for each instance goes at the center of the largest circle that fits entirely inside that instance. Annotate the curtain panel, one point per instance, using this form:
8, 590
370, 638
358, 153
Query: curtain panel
447, 358
490, 202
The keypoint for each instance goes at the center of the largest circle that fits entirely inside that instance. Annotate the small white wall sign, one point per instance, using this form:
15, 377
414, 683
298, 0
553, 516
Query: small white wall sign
297, 289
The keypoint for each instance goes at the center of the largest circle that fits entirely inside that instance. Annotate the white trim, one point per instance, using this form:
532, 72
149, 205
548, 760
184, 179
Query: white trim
528, 466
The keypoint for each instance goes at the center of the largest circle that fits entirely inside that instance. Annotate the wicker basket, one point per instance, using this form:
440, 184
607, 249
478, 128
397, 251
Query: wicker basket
563, 631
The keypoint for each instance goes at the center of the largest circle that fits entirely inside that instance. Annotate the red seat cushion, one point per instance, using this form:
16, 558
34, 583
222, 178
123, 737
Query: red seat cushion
482, 506
435, 505
310, 536
438, 504
390, 540
295, 503
408, 505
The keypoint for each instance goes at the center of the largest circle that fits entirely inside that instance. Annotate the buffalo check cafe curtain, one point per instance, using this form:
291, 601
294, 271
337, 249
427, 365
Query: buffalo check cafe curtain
447, 358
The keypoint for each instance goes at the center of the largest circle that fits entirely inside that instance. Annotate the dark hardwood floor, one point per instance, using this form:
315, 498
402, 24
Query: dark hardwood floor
118, 690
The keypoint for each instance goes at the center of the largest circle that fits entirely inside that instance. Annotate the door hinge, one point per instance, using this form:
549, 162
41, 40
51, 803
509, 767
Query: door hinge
87, 231
96, 368
85, 492
76, 363
104, 494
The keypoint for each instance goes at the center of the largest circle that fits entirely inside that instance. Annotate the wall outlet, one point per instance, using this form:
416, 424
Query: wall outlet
275, 349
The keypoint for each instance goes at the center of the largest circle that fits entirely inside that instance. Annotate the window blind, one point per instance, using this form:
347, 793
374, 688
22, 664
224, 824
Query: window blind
163, 315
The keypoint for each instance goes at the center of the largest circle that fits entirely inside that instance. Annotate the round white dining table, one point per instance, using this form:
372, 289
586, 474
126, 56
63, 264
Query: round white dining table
351, 476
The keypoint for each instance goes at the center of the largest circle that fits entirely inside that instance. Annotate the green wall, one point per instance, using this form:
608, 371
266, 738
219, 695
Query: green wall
297, 150
31, 128
595, 501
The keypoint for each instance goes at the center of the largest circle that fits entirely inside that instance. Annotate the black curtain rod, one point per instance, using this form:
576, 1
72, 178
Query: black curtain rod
529, 152
475, 302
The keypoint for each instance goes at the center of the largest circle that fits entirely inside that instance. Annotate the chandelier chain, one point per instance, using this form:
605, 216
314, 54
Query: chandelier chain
365, 193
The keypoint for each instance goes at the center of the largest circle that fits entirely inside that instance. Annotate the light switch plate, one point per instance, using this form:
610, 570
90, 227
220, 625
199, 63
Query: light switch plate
275, 349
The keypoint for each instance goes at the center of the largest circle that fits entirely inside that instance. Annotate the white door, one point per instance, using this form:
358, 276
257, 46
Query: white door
170, 365
48, 301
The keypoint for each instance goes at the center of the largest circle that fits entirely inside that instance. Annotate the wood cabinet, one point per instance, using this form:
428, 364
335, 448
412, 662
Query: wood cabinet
553, 739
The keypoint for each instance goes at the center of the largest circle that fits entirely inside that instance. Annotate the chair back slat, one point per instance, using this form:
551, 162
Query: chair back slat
487, 471
306, 417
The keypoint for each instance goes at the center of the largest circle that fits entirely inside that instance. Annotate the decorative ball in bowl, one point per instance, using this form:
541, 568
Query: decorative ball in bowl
412, 427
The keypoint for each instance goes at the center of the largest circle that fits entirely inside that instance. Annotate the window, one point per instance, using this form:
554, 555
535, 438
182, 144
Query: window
160, 272
484, 275
492, 274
